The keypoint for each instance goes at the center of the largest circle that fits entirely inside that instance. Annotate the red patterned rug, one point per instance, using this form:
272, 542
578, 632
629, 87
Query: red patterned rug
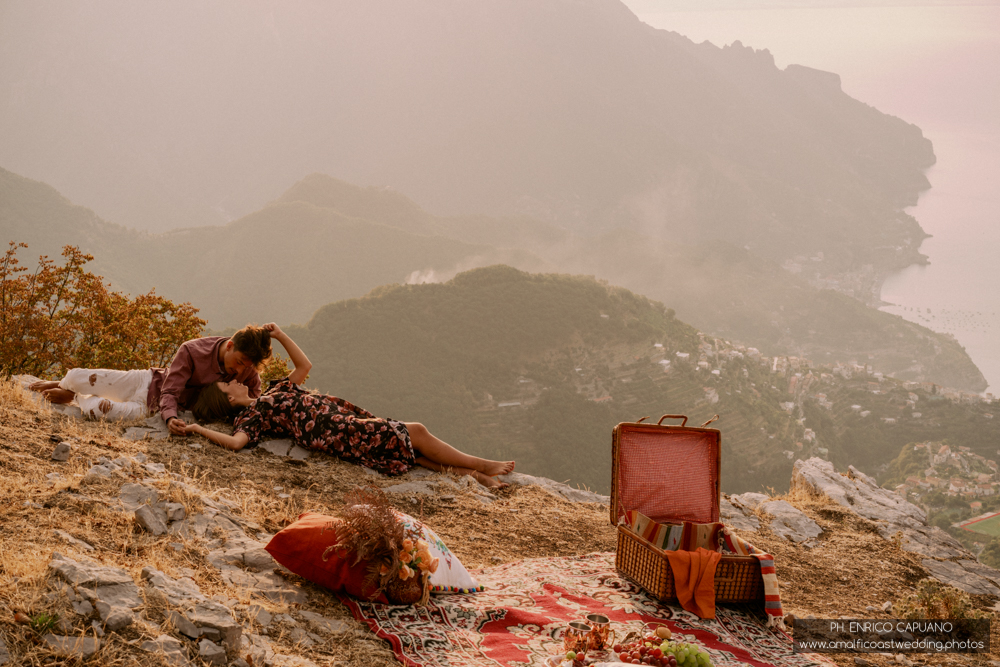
519, 619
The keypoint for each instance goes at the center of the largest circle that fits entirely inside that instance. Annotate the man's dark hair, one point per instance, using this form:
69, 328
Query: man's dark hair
253, 341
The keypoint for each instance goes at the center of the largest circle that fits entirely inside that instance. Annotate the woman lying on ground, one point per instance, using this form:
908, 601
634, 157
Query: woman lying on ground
330, 424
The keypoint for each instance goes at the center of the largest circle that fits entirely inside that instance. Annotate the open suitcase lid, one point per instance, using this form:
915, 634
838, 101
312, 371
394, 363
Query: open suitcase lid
669, 473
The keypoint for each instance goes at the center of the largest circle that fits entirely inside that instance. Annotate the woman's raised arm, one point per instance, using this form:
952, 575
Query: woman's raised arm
233, 443
298, 357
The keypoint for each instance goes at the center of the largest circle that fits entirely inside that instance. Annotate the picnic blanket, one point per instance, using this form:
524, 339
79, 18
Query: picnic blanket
518, 621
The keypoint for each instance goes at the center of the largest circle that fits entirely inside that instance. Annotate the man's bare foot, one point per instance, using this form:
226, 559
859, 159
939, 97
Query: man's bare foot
492, 468
489, 482
42, 385
58, 395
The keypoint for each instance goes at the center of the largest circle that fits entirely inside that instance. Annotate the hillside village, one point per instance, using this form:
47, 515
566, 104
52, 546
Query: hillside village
851, 392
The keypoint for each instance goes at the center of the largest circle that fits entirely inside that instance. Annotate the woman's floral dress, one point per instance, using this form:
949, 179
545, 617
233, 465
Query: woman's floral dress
328, 424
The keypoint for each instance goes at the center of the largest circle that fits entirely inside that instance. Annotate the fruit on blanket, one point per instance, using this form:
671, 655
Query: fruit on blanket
662, 653
663, 632
571, 655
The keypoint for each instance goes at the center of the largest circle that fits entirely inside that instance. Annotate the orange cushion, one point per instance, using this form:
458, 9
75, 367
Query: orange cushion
300, 547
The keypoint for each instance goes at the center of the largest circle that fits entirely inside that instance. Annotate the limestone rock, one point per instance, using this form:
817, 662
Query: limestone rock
563, 491
134, 496
298, 453
856, 491
97, 473
171, 649
149, 519
789, 522
259, 614
61, 452
955, 575
212, 653
257, 650
5, 658
184, 595
734, 517
115, 618
183, 625
83, 607
277, 447
750, 500
175, 511
72, 647
67, 410
111, 585
155, 468
322, 624
69, 539
928, 541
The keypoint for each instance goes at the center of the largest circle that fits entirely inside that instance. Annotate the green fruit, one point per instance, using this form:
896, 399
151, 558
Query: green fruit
571, 655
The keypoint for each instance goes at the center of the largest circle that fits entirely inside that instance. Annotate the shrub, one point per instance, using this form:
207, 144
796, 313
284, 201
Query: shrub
62, 317
936, 600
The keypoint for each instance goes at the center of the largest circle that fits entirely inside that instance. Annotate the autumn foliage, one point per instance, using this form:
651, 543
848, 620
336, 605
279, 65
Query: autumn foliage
62, 316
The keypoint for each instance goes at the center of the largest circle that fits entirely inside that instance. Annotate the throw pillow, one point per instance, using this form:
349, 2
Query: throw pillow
451, 576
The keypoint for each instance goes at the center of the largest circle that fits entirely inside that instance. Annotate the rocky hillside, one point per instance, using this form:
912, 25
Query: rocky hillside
121, 545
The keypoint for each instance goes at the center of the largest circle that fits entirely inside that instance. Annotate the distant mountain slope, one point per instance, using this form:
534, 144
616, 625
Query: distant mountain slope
541, 367
326, 240
573, 112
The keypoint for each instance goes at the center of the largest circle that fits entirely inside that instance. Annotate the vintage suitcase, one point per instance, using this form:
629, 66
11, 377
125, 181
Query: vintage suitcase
670, 473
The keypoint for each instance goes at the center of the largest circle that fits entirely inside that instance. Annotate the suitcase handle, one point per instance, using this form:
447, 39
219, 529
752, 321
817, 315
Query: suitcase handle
684, 417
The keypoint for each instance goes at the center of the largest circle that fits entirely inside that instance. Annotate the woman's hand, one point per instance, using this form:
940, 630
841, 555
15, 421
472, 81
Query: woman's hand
190, 428
273, 329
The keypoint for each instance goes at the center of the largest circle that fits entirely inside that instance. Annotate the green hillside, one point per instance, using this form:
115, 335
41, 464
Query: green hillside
540, 368
508, 364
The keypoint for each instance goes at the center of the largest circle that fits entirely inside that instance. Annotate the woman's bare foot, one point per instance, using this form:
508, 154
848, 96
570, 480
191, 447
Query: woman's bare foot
488, 481
58, 395
492, 468
42, 385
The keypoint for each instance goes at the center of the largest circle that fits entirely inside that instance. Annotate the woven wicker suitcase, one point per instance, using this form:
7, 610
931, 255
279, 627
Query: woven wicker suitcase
670, 473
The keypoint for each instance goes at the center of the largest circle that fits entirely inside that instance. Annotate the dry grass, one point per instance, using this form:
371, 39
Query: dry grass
851, 569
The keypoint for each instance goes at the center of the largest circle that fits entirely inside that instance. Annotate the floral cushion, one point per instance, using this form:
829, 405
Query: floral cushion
450, 576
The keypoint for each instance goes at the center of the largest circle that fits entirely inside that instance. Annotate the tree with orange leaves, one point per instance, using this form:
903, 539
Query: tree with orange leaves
62, 316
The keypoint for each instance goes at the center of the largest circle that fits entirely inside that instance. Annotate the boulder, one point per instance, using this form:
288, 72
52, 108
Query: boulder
111, 585
97, 473
171, 649
5, 658
72, 647
298, 453
750, 500
277, 447
187, 599
789, 522
563, 491
175, 511
211, 653
61, 452
134, 496
954, 574
150, 520
183, 625
735, 517
856, 491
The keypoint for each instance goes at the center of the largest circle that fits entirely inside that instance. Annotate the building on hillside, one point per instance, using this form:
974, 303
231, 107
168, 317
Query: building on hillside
976, 505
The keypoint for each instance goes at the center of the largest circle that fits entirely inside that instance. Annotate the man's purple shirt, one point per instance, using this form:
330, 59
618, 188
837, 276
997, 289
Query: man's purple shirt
195, 365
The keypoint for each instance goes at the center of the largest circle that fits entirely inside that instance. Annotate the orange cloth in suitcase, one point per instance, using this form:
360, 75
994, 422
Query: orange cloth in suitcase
694, 579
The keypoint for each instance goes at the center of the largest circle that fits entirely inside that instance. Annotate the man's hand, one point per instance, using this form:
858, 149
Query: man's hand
177, 426
273, 329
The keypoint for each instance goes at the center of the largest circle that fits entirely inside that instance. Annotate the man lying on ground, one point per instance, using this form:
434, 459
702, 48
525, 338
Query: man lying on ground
125, 395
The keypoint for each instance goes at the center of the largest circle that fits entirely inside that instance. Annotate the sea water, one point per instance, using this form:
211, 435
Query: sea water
935, 65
